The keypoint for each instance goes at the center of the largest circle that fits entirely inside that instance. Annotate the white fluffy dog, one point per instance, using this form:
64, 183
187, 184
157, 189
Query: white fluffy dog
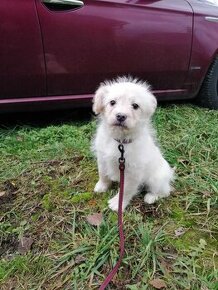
125, 107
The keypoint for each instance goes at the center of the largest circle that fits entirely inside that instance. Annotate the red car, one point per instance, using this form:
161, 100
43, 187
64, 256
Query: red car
54, 53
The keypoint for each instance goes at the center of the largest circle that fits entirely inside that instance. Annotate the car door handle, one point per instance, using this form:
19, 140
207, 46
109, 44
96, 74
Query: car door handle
57, 5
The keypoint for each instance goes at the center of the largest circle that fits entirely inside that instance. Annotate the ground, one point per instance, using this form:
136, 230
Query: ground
47, 177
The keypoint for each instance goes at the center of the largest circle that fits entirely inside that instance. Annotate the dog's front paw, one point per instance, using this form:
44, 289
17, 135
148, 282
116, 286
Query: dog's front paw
114, 203
101, 186
150, 198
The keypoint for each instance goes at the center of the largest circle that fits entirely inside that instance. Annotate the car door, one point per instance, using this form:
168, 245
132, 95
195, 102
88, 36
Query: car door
22, 66
87, 42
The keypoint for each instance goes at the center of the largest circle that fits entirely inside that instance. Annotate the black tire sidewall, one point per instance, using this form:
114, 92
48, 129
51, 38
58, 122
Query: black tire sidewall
208, 95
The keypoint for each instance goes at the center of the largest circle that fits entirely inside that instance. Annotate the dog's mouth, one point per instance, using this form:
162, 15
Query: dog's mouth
122, 125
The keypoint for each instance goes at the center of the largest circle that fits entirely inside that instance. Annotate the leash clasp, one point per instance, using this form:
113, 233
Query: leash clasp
121, 159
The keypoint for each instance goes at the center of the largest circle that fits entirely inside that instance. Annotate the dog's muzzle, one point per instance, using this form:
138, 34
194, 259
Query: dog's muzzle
121, 117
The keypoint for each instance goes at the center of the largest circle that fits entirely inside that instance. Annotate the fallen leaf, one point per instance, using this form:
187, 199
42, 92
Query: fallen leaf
92, 202
158, 283
2, 193
25, 245
95, 219
179, 232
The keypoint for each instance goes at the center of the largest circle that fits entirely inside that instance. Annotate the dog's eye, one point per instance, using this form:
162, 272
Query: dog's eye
135, 106
112, 102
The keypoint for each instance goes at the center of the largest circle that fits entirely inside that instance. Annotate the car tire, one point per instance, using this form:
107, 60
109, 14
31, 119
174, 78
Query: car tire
208, 95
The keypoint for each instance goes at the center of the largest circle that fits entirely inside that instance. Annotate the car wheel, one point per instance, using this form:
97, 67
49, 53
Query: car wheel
208, 95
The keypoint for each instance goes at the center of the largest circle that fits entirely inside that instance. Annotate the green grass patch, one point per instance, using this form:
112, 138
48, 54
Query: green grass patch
47, 177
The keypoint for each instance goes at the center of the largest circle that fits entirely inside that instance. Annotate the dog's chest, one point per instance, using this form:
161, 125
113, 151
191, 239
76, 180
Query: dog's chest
133, 161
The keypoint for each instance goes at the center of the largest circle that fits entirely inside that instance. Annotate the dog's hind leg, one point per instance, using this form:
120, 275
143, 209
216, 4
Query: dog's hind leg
150, 198
159, 184
157, 191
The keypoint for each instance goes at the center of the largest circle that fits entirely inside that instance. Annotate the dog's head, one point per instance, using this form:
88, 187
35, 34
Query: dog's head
125, 103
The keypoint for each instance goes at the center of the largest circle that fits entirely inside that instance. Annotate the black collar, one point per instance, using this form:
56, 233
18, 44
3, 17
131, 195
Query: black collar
124, 141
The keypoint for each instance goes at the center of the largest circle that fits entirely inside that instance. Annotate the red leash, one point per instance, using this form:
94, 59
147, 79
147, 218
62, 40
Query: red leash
120, 220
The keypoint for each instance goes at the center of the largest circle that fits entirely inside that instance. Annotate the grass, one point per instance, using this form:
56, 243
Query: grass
47, 177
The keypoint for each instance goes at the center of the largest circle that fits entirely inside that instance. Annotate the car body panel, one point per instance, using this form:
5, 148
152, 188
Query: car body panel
22, 66
205, 44
103, 39
57, 59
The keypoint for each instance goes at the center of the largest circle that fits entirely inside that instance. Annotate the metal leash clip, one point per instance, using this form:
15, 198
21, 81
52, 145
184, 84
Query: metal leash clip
121, 159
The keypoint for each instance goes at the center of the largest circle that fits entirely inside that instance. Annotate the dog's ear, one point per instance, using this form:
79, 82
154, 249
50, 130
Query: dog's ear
149, 100
150, 104
98, 100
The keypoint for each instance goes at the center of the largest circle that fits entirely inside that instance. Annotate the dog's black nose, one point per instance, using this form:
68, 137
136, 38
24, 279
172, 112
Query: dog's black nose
121, 117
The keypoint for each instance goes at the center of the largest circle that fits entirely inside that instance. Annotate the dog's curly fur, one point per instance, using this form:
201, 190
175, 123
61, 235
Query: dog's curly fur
124, 107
